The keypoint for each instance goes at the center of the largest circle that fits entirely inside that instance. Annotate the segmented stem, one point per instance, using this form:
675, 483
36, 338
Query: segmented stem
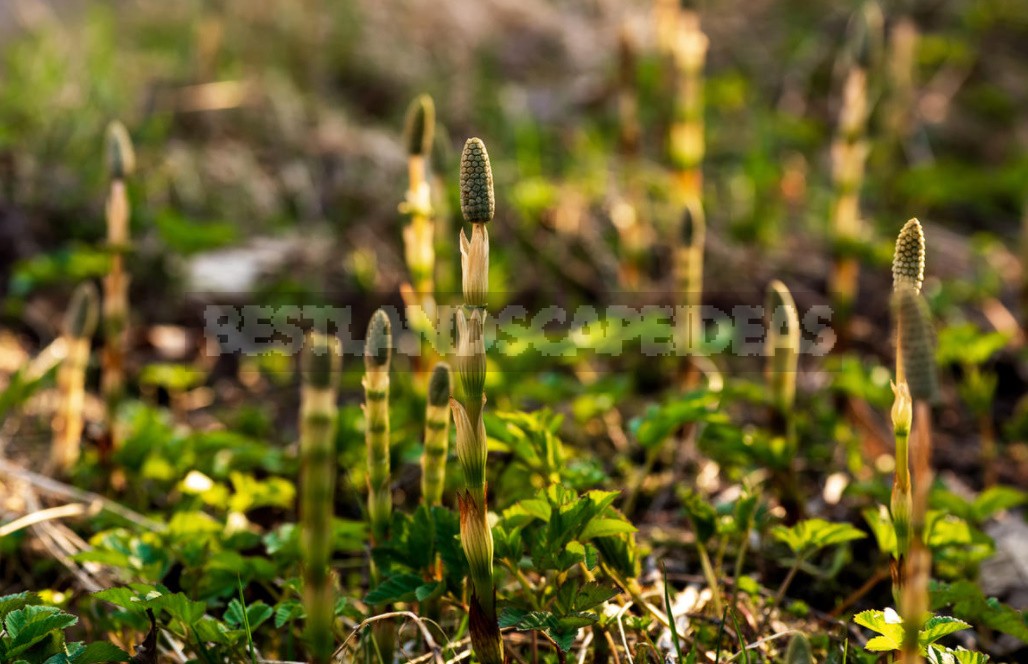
419, 234
477, 205
849, 155
79, 326
115, 305
783, 348
321, 362
377, 355
437, 436
688, 274
686, 142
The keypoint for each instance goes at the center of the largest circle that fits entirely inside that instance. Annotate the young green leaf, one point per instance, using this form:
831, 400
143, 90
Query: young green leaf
887, 624
813, 534
996, 499
604, 527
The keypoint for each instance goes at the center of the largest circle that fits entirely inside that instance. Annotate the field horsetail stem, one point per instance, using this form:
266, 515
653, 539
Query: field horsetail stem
377, 356
79, 326
120, 164
849, 156
437, 436
907, 274
686, 143
320, 364
783, 351
477, 205
917, 337
688, 276
419, 234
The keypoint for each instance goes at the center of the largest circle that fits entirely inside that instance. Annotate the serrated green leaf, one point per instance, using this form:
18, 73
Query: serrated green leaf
256, 613
882, 528
210, 630
126, 598
996, 499
968, 603
399, 588
427, 590
193, 524
287, 611
100, 651
179, 607
890, 630
30, 624
562, 630
593, 594
937, 627
812, 534
884, 643
592, 556
604, 527
945, 530
14, 602
939, 655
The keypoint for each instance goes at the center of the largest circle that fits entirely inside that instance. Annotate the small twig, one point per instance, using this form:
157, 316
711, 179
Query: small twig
459, 658
71, 509
584, 650
880, 575
780, 595
453, 645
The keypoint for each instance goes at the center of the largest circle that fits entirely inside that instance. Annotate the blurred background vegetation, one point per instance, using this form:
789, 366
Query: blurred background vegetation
283, 119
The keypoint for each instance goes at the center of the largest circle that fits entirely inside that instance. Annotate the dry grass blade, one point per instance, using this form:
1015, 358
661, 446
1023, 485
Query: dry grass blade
60, 489
436, 651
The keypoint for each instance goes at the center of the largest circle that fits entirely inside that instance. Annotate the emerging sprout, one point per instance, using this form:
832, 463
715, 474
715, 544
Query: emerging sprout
320, 361
477, 203
799, 651
783, 346
692, 224
379, 341
439, 385
121, 158
420, 126
83, 312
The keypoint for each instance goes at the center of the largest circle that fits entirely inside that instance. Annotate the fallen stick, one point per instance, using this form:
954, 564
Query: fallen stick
55, 488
